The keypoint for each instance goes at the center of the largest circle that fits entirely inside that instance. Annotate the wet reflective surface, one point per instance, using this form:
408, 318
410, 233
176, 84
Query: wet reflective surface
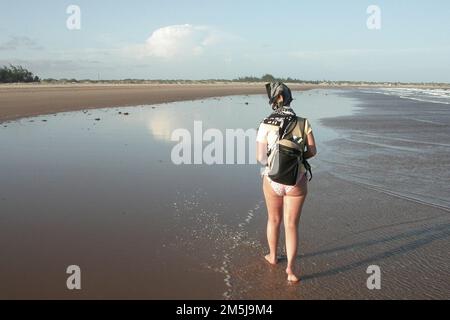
98, 189
397, 145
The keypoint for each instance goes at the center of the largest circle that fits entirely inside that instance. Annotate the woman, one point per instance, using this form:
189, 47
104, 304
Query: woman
283, 202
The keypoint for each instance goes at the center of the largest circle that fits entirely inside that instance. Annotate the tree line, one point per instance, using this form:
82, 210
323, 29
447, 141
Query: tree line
271, 78
14, 74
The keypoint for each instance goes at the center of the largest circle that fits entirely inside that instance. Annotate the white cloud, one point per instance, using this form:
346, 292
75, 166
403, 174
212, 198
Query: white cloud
180, 41
172, 41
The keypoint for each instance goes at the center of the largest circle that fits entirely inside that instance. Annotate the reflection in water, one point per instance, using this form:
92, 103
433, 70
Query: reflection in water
160, 127
105, 194
231, 113
162, 123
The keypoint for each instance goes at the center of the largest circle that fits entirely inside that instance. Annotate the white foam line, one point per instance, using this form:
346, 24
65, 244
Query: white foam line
395, 194
402, 196
408, 93
404, 140
192, 202
427, 121
237, 239
383, 145
425, 100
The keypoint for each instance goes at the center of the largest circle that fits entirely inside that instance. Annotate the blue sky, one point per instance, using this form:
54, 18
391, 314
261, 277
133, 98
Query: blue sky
226, 39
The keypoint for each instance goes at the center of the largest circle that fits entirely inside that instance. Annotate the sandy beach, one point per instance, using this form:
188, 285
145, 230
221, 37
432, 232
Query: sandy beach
128, 153
105, 195
17, 101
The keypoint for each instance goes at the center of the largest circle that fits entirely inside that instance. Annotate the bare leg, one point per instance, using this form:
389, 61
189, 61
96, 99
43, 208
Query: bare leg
294, 204
274, 204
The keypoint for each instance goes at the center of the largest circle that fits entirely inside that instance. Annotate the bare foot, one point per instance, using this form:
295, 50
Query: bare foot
272, 260
291, 276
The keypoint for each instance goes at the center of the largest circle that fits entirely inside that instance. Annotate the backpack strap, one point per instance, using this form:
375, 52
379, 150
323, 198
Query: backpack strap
303, 130
305, 162
290, 129
299, 129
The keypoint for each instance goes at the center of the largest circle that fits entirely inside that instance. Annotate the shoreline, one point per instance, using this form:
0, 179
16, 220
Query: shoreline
381, 131
25, 101
29, 100
347, 226
104, 206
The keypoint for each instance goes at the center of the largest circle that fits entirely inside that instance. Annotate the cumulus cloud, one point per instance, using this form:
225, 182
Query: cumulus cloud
171, 41
178, 41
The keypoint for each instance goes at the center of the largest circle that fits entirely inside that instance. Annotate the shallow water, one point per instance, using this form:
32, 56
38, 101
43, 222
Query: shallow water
441, 96
99, 189
105, 195
396, 145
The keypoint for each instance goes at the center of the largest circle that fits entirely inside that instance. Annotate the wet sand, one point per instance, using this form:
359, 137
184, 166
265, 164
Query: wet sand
345, 228
395, 145
379, 197
17, 101
105, 195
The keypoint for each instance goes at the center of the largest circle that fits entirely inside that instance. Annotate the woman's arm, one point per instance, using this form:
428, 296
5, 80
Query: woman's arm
311, 149
261, 153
